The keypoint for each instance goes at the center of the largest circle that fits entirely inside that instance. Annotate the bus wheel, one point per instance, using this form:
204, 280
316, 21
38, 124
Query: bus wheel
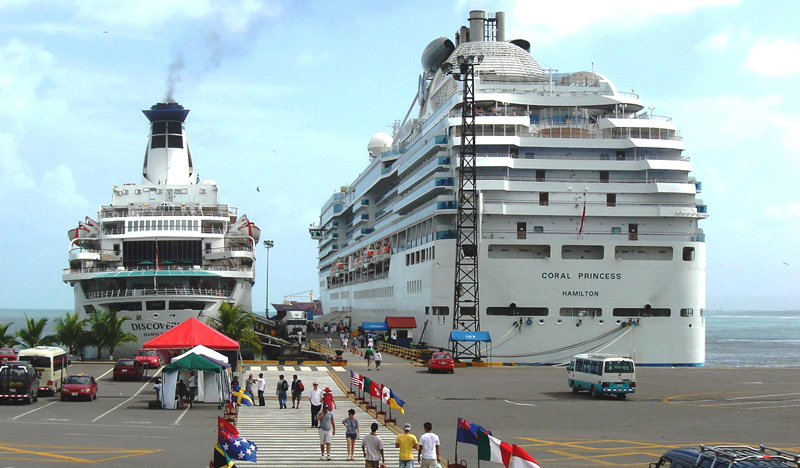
595, 393
574, 387
621, 396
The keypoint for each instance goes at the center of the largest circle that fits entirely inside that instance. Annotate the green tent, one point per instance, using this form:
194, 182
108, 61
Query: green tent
194, 362
216, 382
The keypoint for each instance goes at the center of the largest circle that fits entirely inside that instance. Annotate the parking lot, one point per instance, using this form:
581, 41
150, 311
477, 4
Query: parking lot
117, 429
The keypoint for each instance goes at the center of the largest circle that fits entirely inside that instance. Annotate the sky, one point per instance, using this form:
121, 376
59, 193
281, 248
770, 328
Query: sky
285, 95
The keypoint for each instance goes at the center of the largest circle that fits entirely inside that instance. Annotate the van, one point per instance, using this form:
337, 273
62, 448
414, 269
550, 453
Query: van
50, 363
728, 456
19, 381
602, 374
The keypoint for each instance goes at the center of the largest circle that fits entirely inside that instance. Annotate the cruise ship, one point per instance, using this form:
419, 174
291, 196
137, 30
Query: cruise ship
588, 236
165, 249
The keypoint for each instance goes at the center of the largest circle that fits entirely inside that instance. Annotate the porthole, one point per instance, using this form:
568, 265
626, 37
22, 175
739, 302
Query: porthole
619, 322
600, 322
558, 321
541, 321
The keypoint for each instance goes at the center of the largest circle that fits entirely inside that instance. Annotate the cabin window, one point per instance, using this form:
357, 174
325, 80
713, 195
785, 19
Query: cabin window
158, 141
544, 199
539, 175
521, 230
604, 176
611, 199
688, 254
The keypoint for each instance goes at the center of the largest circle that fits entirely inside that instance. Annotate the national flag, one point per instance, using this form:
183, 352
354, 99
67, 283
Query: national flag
221, 459
521, 459
365, 384
355, 379
158, 258
361, 382
241, 398
467, 432
493, 449
239, 449
385, 394
226, 431
375, 389
395, 402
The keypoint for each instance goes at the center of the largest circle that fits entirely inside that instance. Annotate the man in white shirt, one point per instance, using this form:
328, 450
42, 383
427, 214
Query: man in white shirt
428, 447
262, 384
315, 398
192, 387
300, 337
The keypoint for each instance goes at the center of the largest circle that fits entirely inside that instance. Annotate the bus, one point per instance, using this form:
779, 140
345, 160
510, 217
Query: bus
602, 374
50, 363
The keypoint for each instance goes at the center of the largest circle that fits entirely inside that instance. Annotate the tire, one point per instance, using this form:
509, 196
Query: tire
36, 398
63, 398
621, 396
574, 388
452, 371
94, 397
28, 400
595, 393
114, 378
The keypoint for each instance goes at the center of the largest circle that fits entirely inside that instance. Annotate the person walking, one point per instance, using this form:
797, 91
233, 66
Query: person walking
249, 384
280, 390
407, 443
328, 341
261, 386
372, 447
368, 354
378, 359
192, 387
327, 429
297, 391
327, 399
300, 337
315, 398
428, 454
351, 433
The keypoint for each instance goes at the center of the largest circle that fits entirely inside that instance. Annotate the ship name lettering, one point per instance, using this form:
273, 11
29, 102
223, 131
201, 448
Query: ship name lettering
600, 276
555, 275
152, 326
580, 293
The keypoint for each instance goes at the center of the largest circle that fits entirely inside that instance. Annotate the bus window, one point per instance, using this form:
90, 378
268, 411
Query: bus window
619, 367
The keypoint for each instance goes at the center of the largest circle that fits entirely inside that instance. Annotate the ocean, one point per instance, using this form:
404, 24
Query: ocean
733, 338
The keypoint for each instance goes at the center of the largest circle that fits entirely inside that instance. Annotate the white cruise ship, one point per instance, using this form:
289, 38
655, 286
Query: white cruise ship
166, 249
587, 220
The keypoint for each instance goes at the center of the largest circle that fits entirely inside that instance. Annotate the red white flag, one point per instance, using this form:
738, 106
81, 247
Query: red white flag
375, 389
355, 379
226, 430
521, 459
386, 394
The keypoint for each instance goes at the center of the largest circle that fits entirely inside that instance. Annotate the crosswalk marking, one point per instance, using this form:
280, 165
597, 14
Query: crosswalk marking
285, 369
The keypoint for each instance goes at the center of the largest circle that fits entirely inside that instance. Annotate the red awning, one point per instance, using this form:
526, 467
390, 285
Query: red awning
401, 322
190, 334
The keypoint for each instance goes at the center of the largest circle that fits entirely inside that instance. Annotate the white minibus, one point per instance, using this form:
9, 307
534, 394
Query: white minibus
50, 363
602, 374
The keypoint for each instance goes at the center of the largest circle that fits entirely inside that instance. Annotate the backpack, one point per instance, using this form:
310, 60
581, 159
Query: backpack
300, 387
285, 386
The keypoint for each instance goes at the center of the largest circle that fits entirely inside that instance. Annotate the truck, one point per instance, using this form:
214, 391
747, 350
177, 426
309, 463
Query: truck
727, 456
292, 322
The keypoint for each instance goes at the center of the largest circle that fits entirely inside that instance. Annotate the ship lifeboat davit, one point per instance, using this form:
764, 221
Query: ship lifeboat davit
86, 229
245, 227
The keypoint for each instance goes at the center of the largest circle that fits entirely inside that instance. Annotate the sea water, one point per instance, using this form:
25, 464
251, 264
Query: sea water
733, 338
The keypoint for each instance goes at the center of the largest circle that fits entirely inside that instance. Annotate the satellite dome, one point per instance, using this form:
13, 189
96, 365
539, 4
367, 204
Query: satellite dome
379, 143
502, 61
436, 53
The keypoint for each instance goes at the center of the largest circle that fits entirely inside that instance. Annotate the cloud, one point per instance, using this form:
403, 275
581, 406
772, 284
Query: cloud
552, 20
14, 172
717, 42
59, 186
23, 69
774, 58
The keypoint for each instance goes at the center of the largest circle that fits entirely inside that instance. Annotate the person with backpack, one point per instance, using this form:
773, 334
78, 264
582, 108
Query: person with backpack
327, 399
368, 354
282, 388
297, 391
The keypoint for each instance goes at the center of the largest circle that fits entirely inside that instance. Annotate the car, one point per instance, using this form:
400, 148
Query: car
729, 456
128, 369
79, 387
8, 354
441, 361
19, 381
148, 358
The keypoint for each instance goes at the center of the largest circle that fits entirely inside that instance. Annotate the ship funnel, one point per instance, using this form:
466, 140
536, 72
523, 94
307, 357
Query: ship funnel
167, 160
477, 22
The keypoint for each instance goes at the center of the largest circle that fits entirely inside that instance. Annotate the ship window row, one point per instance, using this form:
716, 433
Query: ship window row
373, 293
166, 141
164, 225
646, 311
165, 126
414, 286
420, 256
587, 252
437, 310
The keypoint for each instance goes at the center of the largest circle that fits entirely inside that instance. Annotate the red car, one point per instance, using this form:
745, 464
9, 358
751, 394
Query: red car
441, 361
148, 358
8, 354
128, 369
79, 387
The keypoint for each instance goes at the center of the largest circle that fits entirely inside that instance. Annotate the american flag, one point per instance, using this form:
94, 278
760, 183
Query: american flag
355, 379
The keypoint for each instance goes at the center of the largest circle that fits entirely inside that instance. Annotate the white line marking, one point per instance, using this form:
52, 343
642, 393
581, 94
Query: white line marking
117, 435
31, 411
519, 404
183, 413
763, 396
105, 374
141, 389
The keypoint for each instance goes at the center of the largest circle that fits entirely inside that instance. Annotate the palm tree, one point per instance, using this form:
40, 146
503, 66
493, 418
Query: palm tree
237, 324
31, 336
6, 339
97, 331
70, 332
114, 334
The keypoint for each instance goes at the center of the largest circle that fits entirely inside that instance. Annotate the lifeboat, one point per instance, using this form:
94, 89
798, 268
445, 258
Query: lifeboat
245, 227
80, 232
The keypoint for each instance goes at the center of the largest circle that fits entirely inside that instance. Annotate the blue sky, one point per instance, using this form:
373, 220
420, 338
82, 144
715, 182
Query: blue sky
284, 96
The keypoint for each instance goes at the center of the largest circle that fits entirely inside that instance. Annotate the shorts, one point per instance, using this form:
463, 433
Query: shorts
325, 437
353, 436
428, 463
372, 464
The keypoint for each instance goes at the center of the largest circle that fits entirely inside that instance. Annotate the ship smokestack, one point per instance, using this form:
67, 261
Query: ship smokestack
167, 160
500, 18
477, 23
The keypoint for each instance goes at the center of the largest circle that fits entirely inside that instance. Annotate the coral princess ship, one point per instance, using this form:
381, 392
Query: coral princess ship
588, 236
166, 249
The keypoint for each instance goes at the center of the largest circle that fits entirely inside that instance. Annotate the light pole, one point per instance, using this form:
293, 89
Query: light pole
268, 244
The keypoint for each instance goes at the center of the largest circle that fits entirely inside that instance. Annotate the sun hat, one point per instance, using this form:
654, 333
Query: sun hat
407, 427
327, 390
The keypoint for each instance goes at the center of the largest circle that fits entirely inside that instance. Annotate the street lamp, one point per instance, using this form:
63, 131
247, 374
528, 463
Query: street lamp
268, 244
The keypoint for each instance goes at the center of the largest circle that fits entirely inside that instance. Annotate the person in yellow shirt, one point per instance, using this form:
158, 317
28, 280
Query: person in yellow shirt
407, 443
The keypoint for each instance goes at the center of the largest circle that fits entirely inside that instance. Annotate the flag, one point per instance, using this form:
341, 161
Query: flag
467, 432
395, 402
355, 379
521, 459
583, 216
221, 460
386, 394
226, 431
239, 449
158, 258
493, 449
361, 382
241, 398
375, 389
365, 384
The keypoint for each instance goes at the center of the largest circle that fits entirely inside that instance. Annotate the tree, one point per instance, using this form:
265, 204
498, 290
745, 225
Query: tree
97, 332
31, 336
70, 332
237, 324
6, 339
114, 334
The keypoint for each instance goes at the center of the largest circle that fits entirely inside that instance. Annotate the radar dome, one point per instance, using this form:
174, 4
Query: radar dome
436, 53
379, 143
